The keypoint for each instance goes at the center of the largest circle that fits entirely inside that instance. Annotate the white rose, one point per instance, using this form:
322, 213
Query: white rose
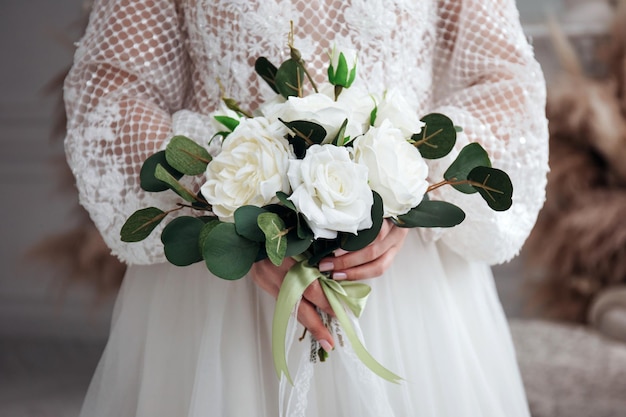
359, 105
399, 112
331, 191
397, 171
251, 168
317, 108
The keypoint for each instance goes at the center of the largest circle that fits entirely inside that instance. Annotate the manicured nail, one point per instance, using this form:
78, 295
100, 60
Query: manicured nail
326, 266
325, 345
340, 252
339, 276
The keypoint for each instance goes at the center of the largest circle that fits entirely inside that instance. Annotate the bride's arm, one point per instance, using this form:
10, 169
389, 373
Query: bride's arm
487, 79
124, 96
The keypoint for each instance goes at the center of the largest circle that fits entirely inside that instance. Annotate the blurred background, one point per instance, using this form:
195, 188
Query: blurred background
565, 295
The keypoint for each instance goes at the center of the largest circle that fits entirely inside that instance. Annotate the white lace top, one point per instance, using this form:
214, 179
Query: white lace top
147, 69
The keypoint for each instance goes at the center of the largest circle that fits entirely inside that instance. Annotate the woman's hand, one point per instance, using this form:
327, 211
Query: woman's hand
270, 277
369, 262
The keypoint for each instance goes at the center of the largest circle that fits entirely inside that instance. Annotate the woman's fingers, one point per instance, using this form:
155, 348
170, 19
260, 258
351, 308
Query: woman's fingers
370, 269
310, 318
316, 296
270, 278
370, 261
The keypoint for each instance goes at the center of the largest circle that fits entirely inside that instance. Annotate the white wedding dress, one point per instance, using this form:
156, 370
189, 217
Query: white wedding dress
185, 343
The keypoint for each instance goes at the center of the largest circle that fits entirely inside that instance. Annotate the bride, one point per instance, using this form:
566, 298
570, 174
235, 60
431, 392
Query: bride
185, 343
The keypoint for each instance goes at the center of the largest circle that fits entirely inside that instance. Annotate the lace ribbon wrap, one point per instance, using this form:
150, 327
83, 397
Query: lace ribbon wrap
147, 69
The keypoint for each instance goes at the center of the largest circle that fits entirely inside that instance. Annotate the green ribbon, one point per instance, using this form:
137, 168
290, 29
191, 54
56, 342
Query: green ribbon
351, 294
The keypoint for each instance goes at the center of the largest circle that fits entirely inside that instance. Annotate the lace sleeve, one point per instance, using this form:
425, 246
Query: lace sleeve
129, 77
488, 81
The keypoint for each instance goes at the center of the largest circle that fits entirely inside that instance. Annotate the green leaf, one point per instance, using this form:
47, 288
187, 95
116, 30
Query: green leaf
246, 223
432, 214
204, 232
373, 115
437, 137
310, 132
267, 71
284, 198
148, 181
470, 157
227, 254
321, 248
352, 242
297, 245
339, 138
180, 240
494, 186
339, 75
141, 223
229, 122
289, 79
275, 236
303, 228
303, 231
187, 156
163, 175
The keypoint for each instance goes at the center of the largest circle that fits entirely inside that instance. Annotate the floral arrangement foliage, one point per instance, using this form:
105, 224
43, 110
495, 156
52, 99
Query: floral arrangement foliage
316, 169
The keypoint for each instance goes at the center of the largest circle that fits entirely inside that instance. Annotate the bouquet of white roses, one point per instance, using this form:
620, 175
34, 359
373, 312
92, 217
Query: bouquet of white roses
317, 169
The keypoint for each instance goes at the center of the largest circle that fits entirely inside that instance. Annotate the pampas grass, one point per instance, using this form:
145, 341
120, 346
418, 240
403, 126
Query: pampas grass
579, 242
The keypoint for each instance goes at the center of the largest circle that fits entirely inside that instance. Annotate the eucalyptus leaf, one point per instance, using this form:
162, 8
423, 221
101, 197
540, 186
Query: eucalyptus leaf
310, 132
289, 79
148, 181
275, 236
163, 175
299, 146
246, 222
432, 213
284, 198
437, 137
297, 245
303, 228
180, 240
204, 232
187, 156
320, 248
470, 157
352, 242
494, 186
227, 254
200, 203
279, 209
141, 223
267, 71
207, 219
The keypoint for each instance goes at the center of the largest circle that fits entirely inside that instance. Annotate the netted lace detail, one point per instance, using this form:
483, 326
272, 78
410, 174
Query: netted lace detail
142, 61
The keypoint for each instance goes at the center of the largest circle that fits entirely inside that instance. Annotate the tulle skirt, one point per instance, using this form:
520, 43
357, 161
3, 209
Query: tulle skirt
185, 343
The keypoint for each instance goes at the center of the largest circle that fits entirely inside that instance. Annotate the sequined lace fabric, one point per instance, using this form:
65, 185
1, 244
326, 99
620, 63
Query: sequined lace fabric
148, 69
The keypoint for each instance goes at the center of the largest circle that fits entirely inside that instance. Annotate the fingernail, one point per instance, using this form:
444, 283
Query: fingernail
339, 276
325, 345
326, 266
340, 252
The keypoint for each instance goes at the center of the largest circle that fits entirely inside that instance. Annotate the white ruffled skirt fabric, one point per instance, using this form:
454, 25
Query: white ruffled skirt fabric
185, 343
